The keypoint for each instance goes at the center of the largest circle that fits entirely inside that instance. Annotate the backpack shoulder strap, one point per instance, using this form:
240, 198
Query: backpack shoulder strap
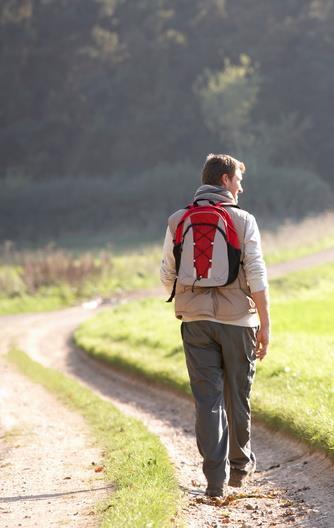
224, 204
177, 245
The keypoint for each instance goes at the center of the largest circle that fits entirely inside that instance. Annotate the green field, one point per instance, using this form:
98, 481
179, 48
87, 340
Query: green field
145, 492
294, 387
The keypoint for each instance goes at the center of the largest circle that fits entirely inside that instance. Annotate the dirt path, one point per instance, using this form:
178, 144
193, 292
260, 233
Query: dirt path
291, 488
323, 257
294, 487
46, 459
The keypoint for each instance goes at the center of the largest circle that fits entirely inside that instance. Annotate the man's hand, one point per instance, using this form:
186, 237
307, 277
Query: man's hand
261, 299
262, 342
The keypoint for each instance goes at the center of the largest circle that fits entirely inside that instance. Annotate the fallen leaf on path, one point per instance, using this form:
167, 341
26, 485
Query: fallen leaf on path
286, 503
226, 501
289, 512
98, 469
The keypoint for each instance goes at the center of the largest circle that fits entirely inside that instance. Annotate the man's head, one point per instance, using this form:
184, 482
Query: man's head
222, 169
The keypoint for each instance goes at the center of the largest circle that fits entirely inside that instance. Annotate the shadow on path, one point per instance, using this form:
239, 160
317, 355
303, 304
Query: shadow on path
44, 496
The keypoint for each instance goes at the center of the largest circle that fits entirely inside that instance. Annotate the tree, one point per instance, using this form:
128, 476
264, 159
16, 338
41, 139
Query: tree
227, 98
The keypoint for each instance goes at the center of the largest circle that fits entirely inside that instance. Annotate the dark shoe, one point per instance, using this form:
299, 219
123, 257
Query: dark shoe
214, 492
238, 477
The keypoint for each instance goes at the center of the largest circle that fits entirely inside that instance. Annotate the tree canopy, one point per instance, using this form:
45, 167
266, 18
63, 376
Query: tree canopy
100, 87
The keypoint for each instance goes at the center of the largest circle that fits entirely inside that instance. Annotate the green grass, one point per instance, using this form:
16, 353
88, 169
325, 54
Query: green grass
146, 492
52, 298
294, 387
140, 336
290, 240
130, 271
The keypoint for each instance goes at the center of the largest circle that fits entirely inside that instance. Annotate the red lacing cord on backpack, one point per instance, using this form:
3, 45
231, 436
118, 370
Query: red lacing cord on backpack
203, 252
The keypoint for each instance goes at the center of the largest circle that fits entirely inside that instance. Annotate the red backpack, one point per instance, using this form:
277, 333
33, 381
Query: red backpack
206, 246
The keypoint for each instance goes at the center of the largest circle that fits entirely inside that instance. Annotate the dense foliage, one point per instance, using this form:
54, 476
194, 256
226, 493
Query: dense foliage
113, 88
98, 86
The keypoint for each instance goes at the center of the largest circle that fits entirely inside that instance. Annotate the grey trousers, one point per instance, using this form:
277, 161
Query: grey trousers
221, 364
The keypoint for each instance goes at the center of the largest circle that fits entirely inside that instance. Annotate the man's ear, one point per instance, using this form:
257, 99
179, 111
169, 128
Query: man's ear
225, 179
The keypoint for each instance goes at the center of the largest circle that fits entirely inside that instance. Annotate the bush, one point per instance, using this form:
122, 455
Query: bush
137, 206
45, 211
285, 193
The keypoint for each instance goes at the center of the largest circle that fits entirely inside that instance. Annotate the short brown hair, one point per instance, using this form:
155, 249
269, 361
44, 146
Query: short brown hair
218, 164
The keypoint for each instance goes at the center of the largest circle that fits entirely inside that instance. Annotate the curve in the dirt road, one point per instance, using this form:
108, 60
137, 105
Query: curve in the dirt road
292, 486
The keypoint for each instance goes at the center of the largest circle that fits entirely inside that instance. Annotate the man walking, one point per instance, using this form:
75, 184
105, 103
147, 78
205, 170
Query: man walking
224, 328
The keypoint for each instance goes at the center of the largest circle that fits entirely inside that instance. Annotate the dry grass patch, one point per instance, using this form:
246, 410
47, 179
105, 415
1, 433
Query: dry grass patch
297, 239
50, 266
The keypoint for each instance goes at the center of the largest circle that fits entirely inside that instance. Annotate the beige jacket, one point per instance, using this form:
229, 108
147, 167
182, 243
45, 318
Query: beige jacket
229, 304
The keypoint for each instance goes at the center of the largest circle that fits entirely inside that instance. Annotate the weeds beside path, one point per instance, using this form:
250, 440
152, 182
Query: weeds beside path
51, 279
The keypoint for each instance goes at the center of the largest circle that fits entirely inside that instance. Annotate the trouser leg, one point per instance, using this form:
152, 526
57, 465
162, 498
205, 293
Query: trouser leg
205, 367
238, 347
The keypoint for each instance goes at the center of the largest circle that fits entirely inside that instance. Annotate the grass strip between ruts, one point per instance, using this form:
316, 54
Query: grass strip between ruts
293, 390
146, 493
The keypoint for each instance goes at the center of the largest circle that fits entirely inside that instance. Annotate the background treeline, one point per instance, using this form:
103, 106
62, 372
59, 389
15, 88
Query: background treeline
108, 108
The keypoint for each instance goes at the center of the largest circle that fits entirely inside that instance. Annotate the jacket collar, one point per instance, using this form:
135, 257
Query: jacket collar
216, 193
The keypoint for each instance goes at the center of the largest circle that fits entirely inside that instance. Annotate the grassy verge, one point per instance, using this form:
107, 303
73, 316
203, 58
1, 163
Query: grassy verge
294, 240
146, 491
53, 299
287, 254
294, 387
130, 271
35, 279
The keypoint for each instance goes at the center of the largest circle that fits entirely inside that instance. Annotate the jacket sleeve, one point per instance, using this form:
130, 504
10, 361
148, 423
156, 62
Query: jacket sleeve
167, 269
254, 265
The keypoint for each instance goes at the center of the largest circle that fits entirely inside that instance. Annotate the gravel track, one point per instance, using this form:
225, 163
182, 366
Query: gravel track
47, 476
292, 486
323, 257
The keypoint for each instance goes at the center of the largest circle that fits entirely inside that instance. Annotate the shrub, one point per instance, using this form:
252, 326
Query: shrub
275, 193
136, 206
